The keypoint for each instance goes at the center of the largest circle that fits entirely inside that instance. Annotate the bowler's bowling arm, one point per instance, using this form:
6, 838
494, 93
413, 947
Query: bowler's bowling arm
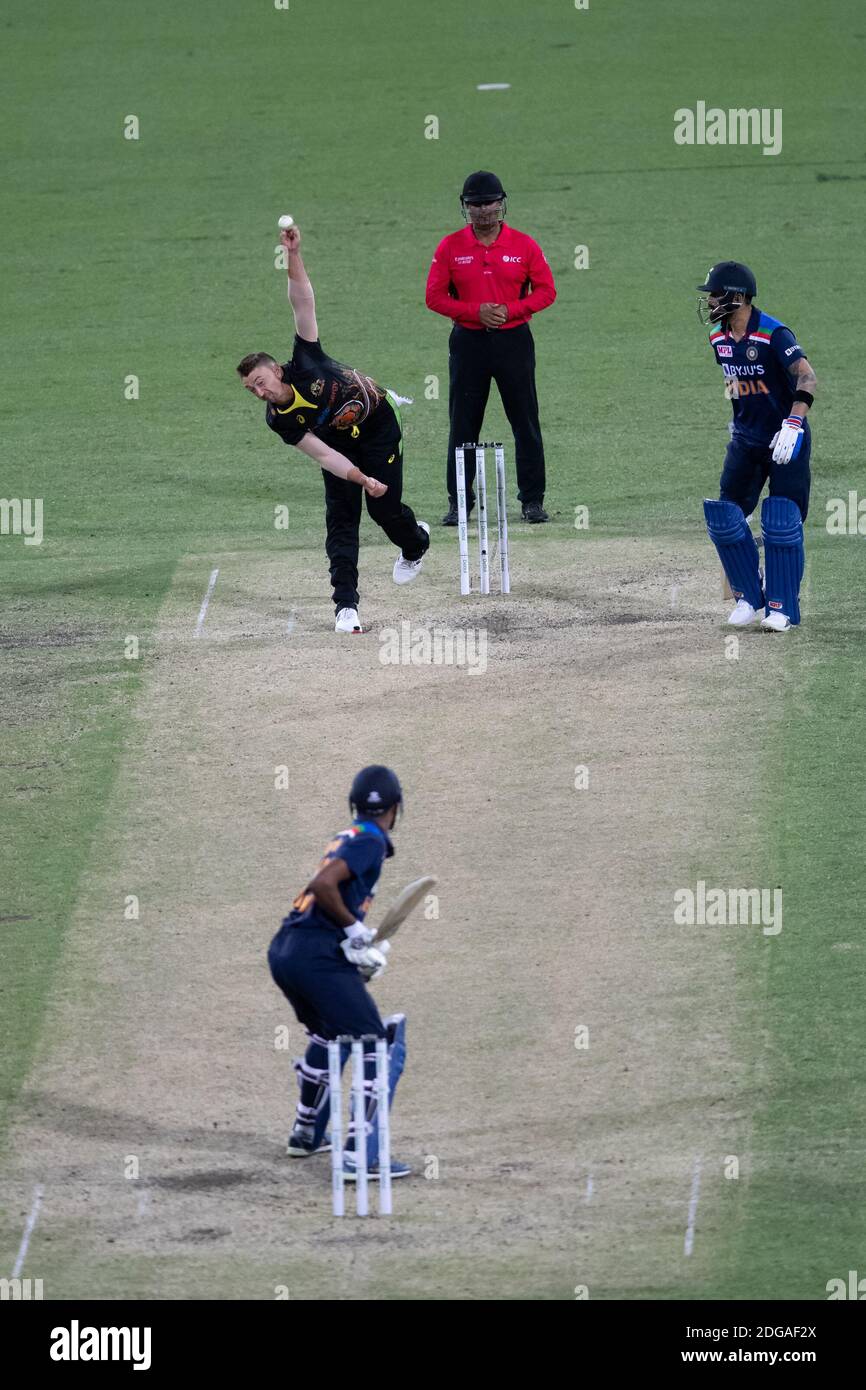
302, 299
330, 459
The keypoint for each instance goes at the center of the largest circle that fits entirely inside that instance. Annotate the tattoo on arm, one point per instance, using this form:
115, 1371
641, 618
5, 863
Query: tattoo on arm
803, 375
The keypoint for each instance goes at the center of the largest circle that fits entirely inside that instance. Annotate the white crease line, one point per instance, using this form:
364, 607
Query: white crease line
202, 613
142, 1203
693, 1207
38, 1193
589, 1189
675, 589
492, 86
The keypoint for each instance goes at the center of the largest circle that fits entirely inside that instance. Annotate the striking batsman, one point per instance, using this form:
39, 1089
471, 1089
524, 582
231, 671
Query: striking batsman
351, 427
321, 957
771, 386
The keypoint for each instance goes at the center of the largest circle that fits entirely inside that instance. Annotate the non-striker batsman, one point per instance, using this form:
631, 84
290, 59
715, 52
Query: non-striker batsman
771, 386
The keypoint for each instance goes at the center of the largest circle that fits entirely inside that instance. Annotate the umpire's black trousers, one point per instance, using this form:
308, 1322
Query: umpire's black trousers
476, 357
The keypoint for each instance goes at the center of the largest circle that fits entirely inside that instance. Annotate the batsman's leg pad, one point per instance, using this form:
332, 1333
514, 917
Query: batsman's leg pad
314, 1103
784, 555
396, 1026
729, 532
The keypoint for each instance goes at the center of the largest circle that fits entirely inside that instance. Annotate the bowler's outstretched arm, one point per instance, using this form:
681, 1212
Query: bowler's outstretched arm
301, 296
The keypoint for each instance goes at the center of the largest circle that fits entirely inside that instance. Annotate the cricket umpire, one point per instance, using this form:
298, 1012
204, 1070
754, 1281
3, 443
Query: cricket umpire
490, 279
350, 426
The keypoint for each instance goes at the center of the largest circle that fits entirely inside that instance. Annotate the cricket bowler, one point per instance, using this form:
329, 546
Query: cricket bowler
321, 958
771, 386
348, 424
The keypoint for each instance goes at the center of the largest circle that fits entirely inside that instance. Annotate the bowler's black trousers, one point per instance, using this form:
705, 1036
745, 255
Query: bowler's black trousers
476, 357
382, 458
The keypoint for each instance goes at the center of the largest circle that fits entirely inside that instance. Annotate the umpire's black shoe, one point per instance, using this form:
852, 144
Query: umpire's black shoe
450, 518
533, 512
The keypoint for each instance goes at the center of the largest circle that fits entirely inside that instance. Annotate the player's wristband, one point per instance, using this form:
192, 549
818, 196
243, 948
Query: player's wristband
805, 396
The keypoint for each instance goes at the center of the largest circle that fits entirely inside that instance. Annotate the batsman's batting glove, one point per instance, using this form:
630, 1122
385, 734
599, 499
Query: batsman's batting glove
359, 934
786, 443
374, 968
369, 960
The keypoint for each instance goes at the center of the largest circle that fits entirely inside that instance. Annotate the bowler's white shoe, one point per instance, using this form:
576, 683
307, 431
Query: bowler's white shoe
776, 622
407, 570
348, 621
743, 614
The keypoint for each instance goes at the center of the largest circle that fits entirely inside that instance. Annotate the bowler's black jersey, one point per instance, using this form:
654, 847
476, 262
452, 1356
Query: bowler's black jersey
336, 403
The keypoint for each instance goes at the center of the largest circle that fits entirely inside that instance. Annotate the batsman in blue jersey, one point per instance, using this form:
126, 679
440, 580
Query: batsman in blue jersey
771, 387
322, 958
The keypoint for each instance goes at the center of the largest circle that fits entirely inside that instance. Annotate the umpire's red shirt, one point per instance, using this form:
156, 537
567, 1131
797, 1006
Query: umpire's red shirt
466, 274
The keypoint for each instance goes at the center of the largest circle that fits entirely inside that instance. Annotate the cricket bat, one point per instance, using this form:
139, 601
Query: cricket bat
402, 905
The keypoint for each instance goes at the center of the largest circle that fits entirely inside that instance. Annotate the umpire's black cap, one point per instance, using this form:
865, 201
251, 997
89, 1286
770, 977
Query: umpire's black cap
482, 187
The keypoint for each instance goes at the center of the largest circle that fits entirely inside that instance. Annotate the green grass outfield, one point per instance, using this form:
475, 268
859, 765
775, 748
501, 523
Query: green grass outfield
155, 258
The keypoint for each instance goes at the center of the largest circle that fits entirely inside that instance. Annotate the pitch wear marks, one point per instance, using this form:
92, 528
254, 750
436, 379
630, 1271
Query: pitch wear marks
756, 374
331, 400
512, 271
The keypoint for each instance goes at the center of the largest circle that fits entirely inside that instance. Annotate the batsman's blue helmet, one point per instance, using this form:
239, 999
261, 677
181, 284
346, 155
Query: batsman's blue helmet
374, 790
724, 282
730, 276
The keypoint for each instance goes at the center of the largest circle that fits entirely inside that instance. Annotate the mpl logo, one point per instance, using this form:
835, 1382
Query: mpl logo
725, 350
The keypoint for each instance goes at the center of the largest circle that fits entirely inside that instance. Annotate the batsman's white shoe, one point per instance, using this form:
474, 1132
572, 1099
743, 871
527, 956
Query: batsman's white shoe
348, 621
776, 622
743, 614
407, 570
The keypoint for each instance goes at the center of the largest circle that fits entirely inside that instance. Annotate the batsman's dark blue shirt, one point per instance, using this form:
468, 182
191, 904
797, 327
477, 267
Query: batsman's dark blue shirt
757, 376
364, 847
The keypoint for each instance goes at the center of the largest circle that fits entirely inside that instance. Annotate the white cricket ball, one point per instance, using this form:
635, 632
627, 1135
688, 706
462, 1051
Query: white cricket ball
286, 222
